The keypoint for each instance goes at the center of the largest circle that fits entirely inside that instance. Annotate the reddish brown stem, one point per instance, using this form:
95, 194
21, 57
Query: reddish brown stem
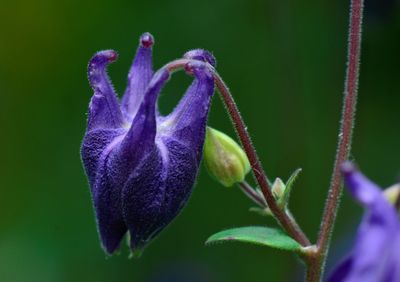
345, 137
290, 226
253, 195
287, 222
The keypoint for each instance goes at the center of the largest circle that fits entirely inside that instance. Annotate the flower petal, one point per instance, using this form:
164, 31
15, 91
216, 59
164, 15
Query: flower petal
342, 270
188, 120
139, 77
373, 245
118, 161
201, 55
104, 111
157, 191
106, 193
369, 195
142, 132
93, 145
161, 184
393, 268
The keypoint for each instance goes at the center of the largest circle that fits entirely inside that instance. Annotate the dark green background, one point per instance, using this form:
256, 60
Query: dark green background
284, 62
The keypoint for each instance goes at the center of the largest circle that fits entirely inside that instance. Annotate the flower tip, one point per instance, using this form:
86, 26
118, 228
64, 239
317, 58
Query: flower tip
348, 167
110, 249
146, 40
104, 57
201, 55
112, 56
197, 67
97, 66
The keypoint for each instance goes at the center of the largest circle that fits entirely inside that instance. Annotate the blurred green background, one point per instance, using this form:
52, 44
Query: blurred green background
284, 62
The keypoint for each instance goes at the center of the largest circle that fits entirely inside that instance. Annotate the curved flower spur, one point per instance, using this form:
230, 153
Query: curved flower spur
142, 166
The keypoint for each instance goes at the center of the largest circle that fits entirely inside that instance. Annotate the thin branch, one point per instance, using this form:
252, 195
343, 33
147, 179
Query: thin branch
291, 227
345, 137
288, 223
253, 195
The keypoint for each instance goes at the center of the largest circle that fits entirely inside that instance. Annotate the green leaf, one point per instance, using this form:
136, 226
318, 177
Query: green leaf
289, 184
258, 235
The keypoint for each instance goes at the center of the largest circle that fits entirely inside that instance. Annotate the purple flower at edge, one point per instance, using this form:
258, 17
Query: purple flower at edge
375, 254
142, 166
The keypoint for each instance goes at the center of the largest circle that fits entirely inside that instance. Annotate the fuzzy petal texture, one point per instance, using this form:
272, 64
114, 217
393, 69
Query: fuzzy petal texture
141, 166
139, 77
374, 256
162, 182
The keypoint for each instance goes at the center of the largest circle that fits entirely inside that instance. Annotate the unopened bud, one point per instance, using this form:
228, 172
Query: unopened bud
224, 158
278, 188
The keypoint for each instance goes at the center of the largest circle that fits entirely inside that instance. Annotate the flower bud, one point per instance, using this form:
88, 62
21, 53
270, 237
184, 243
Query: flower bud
224, 158
278, 188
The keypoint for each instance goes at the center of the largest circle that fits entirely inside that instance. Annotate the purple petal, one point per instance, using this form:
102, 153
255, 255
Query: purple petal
142, 199
118, 161
201, 55
104, 109
373, 249
157, 191
393, 267
342, 270
139, 154
369, 195
139, 77
188, 120
93, 145
96, 150
104, 128
142, 175
142, 132
161, 184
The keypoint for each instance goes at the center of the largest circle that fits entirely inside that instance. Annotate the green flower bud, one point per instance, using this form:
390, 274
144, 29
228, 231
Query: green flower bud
224, 158
278, 188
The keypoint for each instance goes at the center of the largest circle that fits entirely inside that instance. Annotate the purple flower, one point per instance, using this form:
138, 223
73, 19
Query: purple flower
142, 166
375, 254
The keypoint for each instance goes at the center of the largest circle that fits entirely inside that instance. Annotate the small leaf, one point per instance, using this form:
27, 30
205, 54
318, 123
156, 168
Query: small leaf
289, 184
258, 235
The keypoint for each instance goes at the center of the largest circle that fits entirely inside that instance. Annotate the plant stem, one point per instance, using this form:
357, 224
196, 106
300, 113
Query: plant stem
287, 222
312, 272
290, 226
345, 137
253, 195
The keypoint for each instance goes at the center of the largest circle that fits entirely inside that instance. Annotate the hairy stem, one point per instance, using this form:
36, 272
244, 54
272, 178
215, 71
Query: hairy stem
287, 222
290, 226
344, 142
312, 272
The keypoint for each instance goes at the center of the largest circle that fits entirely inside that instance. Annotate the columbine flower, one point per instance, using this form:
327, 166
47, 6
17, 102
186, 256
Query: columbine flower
375, 255
142, 166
